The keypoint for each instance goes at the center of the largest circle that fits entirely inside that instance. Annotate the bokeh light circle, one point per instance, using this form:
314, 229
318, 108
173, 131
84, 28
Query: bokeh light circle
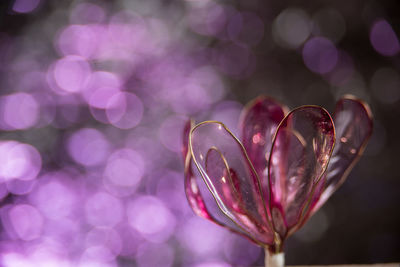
26, 220
150, 217
384, 39
19, 111
170, 134
124, 110
125, 168
320, 55
103, 209
88, 147
19, 161
291, 28
54, 199
71, 73
25, 6
206, 240
79, 40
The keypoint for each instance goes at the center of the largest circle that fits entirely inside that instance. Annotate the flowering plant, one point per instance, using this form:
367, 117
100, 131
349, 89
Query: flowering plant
283, 170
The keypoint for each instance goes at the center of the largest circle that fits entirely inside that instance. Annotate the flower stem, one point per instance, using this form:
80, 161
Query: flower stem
274, 259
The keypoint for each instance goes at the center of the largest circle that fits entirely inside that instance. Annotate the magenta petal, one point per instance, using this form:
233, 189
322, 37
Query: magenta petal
192, 189
185, 138
229, 175
353, 124
299, 156
258, 125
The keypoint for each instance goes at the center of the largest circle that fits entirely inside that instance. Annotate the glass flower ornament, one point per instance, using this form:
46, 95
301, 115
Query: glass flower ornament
283, 170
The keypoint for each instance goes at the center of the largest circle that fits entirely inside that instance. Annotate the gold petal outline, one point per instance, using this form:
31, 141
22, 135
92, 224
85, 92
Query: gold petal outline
232, 183
226, 165
355, 160
366, 139
252, 168
368, 111
260, 98
322, 173
360, 151
189, 172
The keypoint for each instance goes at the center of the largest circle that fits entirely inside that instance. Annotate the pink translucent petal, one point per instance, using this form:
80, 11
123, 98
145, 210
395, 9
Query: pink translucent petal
353, 124
231, 188
193, 193
309, 209
229, 175
185, 138
258, 125
299, 156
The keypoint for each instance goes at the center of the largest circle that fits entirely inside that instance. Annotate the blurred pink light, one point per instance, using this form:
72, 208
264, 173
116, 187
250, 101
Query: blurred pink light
19, 161
127, 34
85, 13
169, 133
64, 231
53, 199
88, 147
196, 92
103, 209
206, 240
71, 73
210, 82
210, 19
97, 80
384, 39
98, 103
212, 264
14, 259
239, 252
320, 55
171, 192
102, 96
49, 250
145, 145
47, 109
149, 216
97, 253
25, 6
229, 113
80, 40
190, 98
26, 221
130, 238
20, 187
19, 111
125, 167
106, 238
3, 191
124, 110
160, 255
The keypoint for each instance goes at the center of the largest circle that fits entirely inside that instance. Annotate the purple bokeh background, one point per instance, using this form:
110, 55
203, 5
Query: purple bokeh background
94, 96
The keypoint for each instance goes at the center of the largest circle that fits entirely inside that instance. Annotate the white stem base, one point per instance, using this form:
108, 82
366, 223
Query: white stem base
274, 260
